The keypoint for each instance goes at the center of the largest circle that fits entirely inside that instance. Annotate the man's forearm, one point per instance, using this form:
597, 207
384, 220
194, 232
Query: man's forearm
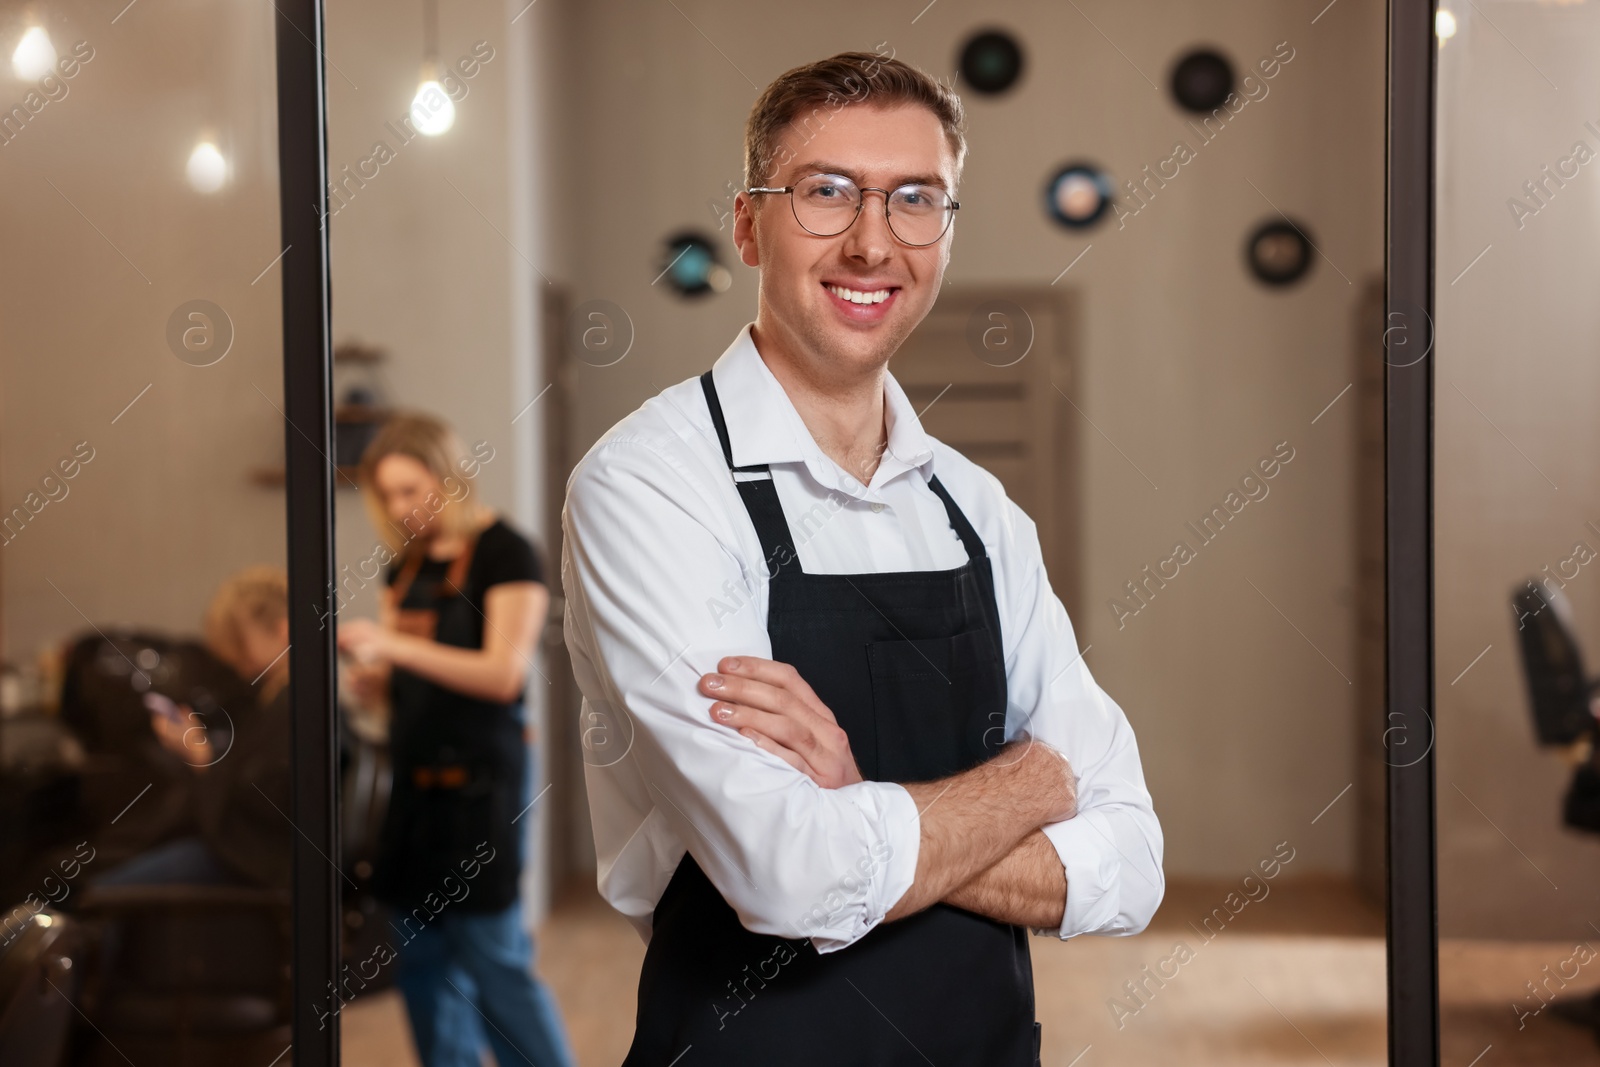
1028, 887
971, 821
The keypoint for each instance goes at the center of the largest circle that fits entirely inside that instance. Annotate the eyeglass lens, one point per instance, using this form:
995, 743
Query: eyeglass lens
826, 204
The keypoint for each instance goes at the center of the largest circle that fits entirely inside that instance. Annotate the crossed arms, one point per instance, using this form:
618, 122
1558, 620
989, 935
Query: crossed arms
981, 845
650, 537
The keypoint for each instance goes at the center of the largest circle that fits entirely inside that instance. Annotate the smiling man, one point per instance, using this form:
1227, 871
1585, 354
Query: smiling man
842, 752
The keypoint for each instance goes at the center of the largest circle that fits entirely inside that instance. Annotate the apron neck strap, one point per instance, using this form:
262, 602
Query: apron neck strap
761, 501
454, 578
760, 496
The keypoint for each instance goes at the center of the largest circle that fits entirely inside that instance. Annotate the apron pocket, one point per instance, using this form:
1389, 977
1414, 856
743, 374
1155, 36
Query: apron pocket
935, 702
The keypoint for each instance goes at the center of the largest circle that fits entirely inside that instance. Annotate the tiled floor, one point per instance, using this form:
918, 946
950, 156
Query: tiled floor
1296, 977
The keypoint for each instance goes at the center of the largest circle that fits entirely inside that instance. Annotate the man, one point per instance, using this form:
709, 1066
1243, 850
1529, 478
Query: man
842, 750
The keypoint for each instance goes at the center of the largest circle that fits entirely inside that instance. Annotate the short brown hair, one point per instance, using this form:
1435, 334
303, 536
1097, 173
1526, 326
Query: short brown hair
847, 78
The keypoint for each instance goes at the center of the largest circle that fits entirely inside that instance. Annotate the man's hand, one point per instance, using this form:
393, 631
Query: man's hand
1024, 884
772, 705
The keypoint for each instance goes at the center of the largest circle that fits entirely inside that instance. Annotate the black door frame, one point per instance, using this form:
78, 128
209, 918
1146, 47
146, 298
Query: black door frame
1413, 925
1412, 911
308, 441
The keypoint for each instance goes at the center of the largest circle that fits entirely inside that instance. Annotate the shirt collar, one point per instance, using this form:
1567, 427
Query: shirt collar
764, 427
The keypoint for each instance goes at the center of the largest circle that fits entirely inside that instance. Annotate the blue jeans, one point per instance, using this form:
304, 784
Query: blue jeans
184, 861
467, 977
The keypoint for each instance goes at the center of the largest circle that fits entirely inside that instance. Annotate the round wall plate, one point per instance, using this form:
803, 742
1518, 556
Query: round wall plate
991, 62
691, 267
1202, 80
1078, 196
1279, 252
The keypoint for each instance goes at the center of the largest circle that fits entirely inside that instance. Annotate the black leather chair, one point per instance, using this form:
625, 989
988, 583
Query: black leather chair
40, 969
1552, 663
1559, 693
187, 976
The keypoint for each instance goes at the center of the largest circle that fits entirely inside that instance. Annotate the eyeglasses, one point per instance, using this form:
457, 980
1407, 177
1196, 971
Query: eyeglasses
828, 204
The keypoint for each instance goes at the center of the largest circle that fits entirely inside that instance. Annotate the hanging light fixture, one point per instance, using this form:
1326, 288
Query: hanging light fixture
34, 56
432, 110
1444, 25
207, 169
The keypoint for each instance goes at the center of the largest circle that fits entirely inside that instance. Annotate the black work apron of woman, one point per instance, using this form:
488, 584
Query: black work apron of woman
910, 663
458, 762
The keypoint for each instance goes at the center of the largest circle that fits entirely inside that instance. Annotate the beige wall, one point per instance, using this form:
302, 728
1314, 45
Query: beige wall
444, 279
1516, 483
165, 510
436, 257
1189, 367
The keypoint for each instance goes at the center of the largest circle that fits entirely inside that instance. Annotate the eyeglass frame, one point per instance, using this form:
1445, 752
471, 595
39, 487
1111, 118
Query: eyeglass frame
950, 213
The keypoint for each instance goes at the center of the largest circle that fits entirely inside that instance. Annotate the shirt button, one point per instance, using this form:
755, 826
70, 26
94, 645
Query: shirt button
877, 507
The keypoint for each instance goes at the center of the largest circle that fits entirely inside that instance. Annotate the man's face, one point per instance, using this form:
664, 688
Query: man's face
876, 147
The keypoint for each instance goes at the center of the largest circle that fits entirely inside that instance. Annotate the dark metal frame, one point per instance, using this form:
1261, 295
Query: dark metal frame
307, 397
1413, 926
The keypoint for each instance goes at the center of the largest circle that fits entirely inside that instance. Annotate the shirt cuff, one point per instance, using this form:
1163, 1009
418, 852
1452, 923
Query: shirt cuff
1086, 846
892, 857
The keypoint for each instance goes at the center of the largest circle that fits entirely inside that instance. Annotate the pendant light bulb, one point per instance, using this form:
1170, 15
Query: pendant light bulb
34, 56
207, 170
432, 110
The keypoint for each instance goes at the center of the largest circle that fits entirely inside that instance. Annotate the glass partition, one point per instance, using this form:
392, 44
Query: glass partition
1515, 507
1161, 330
144, 710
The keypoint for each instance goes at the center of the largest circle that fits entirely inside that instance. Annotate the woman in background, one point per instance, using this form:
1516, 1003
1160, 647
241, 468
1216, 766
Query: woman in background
242, 785
453, 644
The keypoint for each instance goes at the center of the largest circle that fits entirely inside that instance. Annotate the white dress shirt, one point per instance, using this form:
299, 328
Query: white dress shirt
663, 576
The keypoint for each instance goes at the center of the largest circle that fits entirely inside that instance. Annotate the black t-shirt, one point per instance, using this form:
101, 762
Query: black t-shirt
501, 555
432, 834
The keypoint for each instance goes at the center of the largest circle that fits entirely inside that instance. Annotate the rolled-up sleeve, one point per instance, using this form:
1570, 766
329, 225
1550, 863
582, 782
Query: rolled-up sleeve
658, 593
1111, 849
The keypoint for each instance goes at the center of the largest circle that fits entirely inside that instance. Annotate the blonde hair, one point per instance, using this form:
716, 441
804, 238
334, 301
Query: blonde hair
847, 78
255, 596
435, 445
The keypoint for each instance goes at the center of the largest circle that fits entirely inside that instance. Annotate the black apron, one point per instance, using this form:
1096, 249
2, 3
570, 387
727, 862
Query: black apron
460, 767
910, 663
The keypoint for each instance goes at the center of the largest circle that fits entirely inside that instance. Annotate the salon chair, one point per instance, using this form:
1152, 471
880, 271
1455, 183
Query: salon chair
364, 801
1559, 695
125, 768
186, 976
40, 969
1552, 663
